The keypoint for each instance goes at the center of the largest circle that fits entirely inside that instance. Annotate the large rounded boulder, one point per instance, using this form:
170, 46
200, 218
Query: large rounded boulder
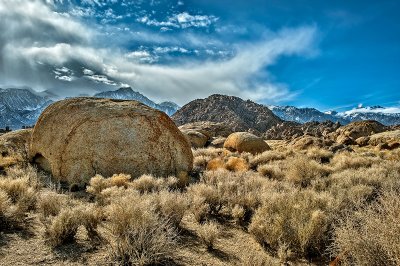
245, 142
75, 139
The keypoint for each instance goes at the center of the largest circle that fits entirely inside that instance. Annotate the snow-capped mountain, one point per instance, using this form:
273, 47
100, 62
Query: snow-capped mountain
127, 93
22, 106
385, 115
304, 115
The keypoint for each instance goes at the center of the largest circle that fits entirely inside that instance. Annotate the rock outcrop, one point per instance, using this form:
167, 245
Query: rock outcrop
245, 142
237, 114
208, 128
390, 139
77, 138
348, 134
291, 130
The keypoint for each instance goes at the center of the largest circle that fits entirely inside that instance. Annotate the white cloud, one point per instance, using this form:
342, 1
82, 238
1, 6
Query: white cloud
164, 50
383, 110
180, 20
32, 32
87, 72
142, 56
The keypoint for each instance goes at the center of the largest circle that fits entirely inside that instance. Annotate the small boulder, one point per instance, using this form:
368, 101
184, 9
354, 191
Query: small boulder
209, 129
245, 142
362, 141
345, 140
77, 138
217, 142
195, 138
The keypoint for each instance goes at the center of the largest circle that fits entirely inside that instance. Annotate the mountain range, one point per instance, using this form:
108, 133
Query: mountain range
387, 116
22, 106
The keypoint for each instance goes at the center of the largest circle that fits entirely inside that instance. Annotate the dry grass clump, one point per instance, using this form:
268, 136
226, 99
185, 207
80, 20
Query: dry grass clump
347, 160
149, 183
18, 198
209, 232
50, 203
208, 152
143, 184
271, 171
171, 205
62, 228
6, 211
320, 155
136, 233
301, 171
370, 236
299, 219
234, 164
98, 183
267, 157
221, 191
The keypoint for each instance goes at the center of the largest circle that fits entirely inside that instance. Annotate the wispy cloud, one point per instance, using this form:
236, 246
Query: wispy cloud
180, 20
27, 53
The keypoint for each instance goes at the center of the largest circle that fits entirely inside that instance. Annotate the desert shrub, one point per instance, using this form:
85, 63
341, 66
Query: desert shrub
370, 236
238, 213
200, 162
236, 164
149, 183
302, 171
6, 216
347, 160
320, 155
208, 152
271, 171
143, 184
298, 218
91, 218
220, 191
99, 183
28, 173
50, 203
209, 232
62, 228
252, 258
266, 157
21, 195
17, 199
171, 205
136, 233
215, 164
205, 200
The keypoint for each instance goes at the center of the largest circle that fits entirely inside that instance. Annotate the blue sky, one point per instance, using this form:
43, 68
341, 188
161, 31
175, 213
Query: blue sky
323, 54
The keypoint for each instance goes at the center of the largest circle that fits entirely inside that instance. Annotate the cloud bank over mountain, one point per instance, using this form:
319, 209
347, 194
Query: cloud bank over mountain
48, 47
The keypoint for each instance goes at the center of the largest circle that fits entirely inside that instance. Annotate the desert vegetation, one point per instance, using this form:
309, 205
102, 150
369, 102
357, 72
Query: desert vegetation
279, 206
